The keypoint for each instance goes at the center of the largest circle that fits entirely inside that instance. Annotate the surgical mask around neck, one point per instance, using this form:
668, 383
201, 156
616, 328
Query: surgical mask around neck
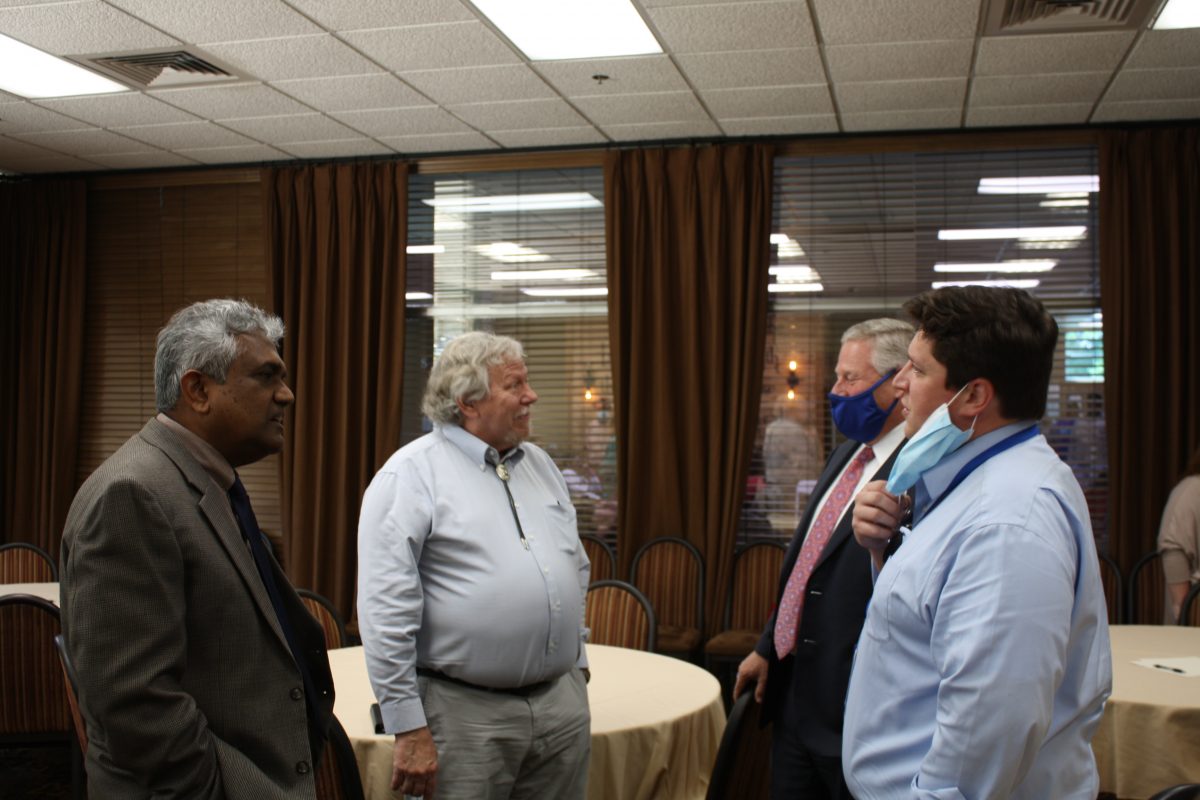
859, 417
937, 438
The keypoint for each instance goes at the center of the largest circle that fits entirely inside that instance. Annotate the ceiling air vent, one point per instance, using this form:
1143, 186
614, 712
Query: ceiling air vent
161, 69
1019, 17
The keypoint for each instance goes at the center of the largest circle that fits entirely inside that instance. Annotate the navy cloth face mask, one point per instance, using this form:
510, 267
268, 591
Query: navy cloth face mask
859, 417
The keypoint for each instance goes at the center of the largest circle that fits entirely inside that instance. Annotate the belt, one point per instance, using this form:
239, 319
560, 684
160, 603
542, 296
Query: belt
518, 691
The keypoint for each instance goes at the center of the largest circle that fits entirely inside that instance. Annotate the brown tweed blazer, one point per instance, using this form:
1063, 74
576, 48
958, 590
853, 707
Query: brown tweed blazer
185, 680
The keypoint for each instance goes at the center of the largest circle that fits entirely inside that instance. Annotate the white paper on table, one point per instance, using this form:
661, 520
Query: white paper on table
1188, 667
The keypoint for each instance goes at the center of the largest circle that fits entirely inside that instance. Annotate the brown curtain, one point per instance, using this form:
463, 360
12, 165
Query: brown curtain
43, 281
688, 233
336, 250
1150, 295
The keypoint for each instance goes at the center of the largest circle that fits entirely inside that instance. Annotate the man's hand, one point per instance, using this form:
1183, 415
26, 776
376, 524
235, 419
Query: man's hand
877, 515
752, 668
414, 763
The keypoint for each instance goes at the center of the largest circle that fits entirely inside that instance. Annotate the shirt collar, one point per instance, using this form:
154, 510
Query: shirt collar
213, 462
477, 449
935, 480
887, 443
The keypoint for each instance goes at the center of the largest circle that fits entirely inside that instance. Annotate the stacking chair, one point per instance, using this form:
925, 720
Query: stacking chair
670, 572
1114, 589
1184, 791
325, 613
751, 594
619, 615
72, 688
337, 775
603, 559
742, 768
1146, 604
1189, 612
21, 562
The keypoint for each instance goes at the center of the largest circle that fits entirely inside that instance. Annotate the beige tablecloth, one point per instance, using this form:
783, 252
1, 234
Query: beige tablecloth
46, 591
1149, 736
656, 725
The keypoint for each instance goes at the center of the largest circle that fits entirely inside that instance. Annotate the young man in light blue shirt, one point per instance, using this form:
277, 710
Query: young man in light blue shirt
984, 662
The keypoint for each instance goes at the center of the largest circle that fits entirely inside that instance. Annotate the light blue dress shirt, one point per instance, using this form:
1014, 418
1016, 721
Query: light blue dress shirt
984, 663
445, 582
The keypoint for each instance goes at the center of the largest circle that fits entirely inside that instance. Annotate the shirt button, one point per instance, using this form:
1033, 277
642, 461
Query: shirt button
302, 767
295, 693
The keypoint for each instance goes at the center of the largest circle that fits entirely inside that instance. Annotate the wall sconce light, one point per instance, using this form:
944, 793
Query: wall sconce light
793, 380
587, 387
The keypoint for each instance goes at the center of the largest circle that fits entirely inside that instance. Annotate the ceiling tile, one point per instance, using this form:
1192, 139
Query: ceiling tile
291, 128
630, 109
345, 15
734, 26
900, 95
777, 126
872, 21
625, 75
382, 122
753, 68
353, 92
548, 137
111, 110
662, 3
231, 102
900, 61
1018, 116
84, 143
1032, 90
295, 57
1158, 49
14, 149
458, 44
25, 117
773, 102
220, 20
479, 84
1146, 110
518, 114
442, 144
340, 148
1153, 84
1047, 54
654, 131
180, 135
76, 28
237, 154
931, 119
149, 160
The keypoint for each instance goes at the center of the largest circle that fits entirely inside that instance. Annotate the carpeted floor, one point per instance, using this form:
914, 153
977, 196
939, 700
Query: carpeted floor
35, 773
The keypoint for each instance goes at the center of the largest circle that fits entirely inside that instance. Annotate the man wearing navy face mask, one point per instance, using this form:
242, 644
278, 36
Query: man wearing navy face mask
801, 664
984, 661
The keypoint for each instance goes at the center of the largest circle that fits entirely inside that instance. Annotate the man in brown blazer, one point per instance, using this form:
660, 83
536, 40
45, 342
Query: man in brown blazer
201, 675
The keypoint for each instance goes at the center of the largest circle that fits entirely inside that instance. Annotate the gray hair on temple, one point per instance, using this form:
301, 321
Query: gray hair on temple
461, 373
889, 340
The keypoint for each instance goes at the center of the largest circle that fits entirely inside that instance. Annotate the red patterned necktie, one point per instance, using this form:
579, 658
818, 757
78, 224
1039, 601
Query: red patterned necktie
787, 618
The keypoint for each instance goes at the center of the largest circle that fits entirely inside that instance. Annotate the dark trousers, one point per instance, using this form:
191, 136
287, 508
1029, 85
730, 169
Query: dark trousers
798, 773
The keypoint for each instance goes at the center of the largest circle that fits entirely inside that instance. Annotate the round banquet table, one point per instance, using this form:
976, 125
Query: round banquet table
1149, 736
656, 725
46, 591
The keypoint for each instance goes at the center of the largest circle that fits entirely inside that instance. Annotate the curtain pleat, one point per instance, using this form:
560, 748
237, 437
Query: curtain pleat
335, 239
1150, 295
43, 282
687, 251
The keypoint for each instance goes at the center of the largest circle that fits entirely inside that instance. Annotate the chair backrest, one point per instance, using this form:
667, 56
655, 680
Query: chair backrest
742, 767
752, 591
670, 572
1114, 589
21, 562
337, 775
72, 688
621, 616
326, 614
33, 699
1189, 612
1184, 791
604, 561
1146, 604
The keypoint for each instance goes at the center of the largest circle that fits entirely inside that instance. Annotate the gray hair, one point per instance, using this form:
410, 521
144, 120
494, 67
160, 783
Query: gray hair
204, 337
889, 340
462, 373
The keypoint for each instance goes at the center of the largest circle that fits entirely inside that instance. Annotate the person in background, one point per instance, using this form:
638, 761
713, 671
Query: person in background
984, 661
1179, 538
471, 593
201, 674
801, 665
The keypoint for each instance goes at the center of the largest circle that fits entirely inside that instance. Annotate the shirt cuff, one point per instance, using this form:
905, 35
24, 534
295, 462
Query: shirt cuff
403, 716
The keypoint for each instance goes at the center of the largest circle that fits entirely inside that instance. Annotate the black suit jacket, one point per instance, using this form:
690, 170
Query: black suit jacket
814, 681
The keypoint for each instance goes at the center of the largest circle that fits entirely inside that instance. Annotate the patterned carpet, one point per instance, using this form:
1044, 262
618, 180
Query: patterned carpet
35, 773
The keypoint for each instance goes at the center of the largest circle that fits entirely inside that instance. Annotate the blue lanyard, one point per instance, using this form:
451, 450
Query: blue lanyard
1023, 435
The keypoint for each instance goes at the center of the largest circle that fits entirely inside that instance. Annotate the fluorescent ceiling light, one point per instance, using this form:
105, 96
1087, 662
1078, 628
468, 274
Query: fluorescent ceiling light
564, 29
1178, 14
418, 296
776, 288
29, 72
1064, 203
1052, 232
1013, 283
1049, 244
801, 273
510, 253
1040, 184
788, 247
425, 249
1016, 265
447, 222
579, 291
572, 274
513, 202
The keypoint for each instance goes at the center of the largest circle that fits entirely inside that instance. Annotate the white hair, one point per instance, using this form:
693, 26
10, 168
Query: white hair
462, 373
889, 340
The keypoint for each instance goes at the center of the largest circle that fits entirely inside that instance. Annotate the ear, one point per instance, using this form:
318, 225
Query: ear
467, 410
193, 391
977, 398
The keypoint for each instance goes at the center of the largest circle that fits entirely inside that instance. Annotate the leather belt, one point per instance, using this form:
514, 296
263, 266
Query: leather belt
518, 691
